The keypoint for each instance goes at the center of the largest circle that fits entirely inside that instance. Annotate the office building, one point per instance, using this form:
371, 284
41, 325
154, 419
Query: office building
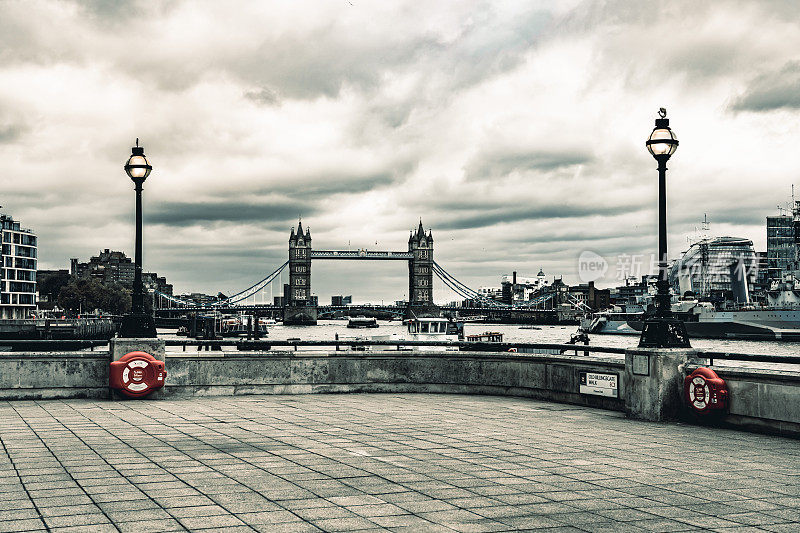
341, 300
724, 267
783, 235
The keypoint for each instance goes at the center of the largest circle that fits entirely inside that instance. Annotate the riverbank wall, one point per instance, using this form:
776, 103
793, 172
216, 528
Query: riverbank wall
760, 399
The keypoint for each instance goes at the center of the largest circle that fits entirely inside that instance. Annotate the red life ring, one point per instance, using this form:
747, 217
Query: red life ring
137, 374
705, 391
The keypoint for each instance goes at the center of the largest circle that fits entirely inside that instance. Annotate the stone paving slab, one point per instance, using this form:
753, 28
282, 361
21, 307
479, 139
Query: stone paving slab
382, 462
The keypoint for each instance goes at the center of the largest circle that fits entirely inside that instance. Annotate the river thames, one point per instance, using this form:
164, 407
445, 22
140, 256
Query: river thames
328, 329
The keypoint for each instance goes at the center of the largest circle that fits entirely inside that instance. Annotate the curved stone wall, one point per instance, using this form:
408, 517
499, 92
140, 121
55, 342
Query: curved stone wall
537, 376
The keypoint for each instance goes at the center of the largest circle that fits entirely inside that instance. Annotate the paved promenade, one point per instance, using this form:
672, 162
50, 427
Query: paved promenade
372, 462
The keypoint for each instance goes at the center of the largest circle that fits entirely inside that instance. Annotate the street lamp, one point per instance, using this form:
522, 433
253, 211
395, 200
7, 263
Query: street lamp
138, 323
662, 329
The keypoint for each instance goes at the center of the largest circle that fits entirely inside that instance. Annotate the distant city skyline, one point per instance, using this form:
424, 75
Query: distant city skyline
515, 131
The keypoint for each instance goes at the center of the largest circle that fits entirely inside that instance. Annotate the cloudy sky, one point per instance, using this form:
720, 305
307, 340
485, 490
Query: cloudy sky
515, 130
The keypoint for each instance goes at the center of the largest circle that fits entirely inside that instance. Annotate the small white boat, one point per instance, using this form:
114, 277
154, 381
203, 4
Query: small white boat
426, 329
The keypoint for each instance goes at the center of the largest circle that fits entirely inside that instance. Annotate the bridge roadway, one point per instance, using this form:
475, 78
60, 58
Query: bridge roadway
361, 254
269, 309
501, 314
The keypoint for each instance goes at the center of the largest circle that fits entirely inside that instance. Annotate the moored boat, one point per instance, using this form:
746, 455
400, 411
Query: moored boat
427, 329
486, 336
362, 322
702, 320
241, 326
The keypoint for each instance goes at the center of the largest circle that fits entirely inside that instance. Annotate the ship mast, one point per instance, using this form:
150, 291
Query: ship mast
704, 257
796, 232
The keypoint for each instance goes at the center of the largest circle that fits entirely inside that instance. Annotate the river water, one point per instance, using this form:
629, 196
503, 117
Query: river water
328, 329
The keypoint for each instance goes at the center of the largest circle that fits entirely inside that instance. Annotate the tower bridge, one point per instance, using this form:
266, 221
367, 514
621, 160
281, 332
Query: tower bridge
299, 308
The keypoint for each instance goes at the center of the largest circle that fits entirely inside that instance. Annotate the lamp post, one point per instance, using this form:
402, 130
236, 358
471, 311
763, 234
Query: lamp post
138, 323
662, 329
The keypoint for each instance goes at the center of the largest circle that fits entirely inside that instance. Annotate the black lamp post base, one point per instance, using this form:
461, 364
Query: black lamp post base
138, 325
664, 332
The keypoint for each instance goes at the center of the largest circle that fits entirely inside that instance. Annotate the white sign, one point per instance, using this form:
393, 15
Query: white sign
599, 384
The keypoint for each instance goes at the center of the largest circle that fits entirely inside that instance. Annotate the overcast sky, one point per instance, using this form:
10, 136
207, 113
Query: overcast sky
514, 130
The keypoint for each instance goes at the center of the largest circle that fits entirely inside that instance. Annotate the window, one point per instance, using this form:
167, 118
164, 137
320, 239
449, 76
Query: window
424, 327
26, 251
17, 286
30, 264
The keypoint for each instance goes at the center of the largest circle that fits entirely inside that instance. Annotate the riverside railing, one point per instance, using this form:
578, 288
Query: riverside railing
57, 345
756, 358
397, 344
401, 345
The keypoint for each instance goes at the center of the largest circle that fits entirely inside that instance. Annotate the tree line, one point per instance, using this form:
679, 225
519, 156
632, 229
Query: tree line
85, 294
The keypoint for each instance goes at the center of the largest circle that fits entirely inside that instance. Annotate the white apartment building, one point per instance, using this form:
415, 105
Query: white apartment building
18, 272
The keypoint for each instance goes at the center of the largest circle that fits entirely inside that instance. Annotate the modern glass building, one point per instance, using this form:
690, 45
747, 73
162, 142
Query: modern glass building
716, 266
18, 272
783, 235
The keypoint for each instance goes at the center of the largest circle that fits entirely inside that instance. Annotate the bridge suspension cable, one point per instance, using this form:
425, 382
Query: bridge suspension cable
579, 304
175, 300
252, 289
462, 289
466, 292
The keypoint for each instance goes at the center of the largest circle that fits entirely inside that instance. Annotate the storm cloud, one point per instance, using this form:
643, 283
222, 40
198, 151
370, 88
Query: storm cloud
192, 213
772, 90
514, 130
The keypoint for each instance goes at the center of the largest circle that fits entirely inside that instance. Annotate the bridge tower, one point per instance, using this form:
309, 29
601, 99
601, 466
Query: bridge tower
298, 308
420, 273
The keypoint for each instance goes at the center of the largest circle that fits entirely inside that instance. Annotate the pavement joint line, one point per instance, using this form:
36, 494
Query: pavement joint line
467, 489
215, 470
110, 465
56, 458
445, 436
304, 441
285, 479
27, 493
